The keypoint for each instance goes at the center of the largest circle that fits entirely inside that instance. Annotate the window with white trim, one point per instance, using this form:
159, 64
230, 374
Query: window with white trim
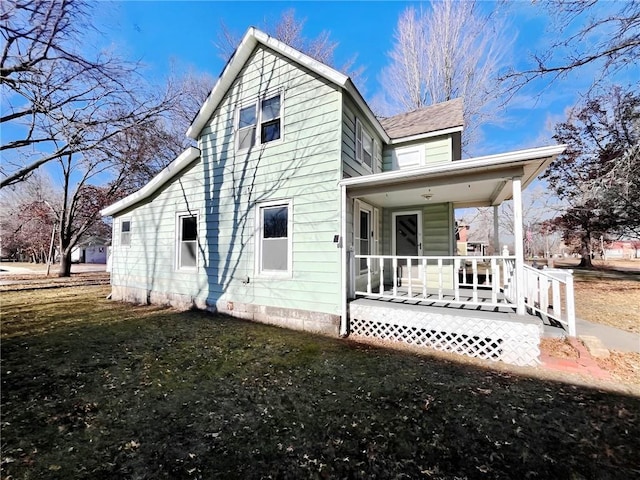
273, 249
364, 234
364, 145
259, 122
125, 232
247, 120
187, 245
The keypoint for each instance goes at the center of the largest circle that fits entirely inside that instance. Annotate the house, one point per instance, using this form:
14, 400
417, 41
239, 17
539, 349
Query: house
622, 249
92, 250
302, 209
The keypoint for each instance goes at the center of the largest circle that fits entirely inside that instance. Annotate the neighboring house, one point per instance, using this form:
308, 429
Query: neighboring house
298, 200
622, 249
92, 250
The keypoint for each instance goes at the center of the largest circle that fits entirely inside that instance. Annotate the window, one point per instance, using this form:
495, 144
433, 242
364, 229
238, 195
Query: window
365, 237
187, 241
247, 120
274, 238
270, 119
267, 113
364, 145
367, 149
366, 233
125, 232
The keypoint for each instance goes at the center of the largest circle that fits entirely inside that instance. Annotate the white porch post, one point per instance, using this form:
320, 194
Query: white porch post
496, 231
343, 260
519, 246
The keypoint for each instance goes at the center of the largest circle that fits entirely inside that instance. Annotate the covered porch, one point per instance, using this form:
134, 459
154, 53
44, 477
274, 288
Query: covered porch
403, 281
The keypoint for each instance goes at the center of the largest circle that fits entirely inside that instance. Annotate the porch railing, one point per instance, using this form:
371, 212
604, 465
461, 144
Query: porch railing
456, 280
468, 280
549, 292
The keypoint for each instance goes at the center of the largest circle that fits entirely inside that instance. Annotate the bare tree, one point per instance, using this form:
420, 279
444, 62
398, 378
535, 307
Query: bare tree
27, 219
57, 99
596, 33
451, 51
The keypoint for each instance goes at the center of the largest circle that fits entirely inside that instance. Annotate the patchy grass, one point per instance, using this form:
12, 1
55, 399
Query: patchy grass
98, 389
609, 302
609, 294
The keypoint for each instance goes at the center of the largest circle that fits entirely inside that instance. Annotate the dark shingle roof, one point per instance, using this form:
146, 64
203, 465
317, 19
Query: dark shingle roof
425, 120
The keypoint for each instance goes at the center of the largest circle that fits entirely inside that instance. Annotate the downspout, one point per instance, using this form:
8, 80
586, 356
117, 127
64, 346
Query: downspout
343, 261
519, 246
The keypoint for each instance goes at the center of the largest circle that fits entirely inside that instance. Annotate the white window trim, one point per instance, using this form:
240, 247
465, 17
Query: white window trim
236, 125
257, 103
374, 242
258, 240
178, 241
122, 220
359, 146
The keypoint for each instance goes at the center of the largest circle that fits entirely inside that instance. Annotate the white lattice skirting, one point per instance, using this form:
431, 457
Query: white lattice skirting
507, 340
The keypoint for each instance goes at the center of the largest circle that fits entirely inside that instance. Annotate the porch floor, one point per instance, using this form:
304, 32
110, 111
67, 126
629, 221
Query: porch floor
448, 299
494, 333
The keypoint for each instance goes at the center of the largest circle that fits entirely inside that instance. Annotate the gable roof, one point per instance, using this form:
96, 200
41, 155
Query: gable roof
253, 38
438, 117
183, 160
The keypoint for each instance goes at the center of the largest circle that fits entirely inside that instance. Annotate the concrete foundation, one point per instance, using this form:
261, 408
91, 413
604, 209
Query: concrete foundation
295, 319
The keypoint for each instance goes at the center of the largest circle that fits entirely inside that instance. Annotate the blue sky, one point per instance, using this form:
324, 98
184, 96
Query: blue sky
162, 33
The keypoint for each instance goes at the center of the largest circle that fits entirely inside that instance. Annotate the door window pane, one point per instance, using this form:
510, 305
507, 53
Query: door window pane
364, 241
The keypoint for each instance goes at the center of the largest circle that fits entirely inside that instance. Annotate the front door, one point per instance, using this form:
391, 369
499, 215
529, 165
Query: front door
407, 242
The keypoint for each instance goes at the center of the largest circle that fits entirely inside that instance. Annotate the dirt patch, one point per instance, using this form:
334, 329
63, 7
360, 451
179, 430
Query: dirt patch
624, 367
615, 303
558, 348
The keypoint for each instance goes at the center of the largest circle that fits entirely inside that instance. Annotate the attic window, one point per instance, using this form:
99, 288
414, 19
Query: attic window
270, 119
247, 120
265, 113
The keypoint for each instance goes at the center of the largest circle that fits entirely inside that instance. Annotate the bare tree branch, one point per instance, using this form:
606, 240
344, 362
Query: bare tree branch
449, 52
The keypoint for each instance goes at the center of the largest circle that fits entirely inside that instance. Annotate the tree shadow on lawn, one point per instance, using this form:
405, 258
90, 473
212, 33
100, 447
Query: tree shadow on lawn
193, 395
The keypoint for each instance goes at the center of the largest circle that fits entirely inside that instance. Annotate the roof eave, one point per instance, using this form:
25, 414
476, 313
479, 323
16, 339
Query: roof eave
548, 154
185, 159
422, 136
239, 58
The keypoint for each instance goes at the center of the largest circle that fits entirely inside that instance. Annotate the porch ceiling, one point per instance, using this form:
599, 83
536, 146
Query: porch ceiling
473, 182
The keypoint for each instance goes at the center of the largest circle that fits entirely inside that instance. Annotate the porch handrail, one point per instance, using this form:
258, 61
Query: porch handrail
537, 286
432, 279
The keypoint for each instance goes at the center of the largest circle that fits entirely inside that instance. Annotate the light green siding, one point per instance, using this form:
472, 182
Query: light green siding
350, 166
149, 262
432, 150
227, 188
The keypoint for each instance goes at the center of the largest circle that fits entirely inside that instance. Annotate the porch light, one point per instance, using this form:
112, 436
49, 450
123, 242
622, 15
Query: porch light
427, 196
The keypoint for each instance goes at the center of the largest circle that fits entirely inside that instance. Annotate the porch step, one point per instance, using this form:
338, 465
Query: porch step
488, 335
